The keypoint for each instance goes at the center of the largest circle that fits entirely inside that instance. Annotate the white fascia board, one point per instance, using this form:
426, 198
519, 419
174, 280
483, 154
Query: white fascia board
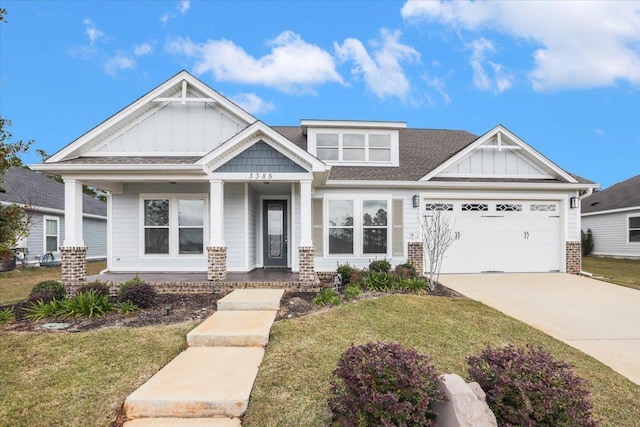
351, 124
610, 211
148, 98
83, 168
261, 177
486, 137
458, 184
51, 210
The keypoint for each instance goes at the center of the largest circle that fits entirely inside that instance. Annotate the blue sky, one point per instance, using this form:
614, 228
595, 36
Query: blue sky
564, 76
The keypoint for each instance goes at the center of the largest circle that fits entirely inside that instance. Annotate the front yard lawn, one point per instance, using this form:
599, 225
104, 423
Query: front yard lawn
625, 272
293, 382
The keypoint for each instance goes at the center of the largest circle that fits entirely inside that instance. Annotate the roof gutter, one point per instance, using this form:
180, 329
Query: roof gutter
458, 184
77, 167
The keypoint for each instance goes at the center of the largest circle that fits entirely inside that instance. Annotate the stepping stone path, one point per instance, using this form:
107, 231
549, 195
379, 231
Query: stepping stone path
208, 384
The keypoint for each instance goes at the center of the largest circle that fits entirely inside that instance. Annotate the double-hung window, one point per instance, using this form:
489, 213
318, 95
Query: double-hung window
51, 234
374, 226
358, 227
340, 226
354, 147
174, 225
634, 229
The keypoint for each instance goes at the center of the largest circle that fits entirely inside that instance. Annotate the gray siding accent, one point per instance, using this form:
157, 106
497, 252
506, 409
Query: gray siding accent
610, 234
234, 217
35, 240
94, 234
260, 157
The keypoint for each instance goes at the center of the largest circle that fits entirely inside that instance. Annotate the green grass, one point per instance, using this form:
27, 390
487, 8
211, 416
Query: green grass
80, 379
293, 382
625, 272
16, 285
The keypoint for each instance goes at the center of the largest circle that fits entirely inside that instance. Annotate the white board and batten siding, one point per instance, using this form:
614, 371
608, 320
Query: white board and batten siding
611, 234
234, 226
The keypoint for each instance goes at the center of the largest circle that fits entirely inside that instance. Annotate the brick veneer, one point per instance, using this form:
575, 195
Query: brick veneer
217, 263
415, 256
73, 264
574, 257
306, 258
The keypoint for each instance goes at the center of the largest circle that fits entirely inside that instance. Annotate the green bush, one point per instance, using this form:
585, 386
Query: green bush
587, 242
89, 304
6, 315
413, 285
45, 295
406, 271
327, 297
357, 276
380, 266
125, 307
383, 384
40, 309
380, 281
141, 294
58, 288
526, 386
351, 291
345, 271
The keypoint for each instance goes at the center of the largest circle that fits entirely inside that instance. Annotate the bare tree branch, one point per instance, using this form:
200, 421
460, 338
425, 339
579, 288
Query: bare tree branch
437, 237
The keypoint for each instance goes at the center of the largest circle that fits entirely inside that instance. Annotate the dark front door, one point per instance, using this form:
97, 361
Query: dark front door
274, 233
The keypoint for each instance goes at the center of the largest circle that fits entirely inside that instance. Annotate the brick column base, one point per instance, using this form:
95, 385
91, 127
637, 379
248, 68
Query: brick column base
217, 265
574, 257
306, 258
73, 264
415, 255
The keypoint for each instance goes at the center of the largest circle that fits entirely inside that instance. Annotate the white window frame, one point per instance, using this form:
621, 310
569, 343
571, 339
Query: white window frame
393, 146
358, 225
628, 228
46, 218
174, 242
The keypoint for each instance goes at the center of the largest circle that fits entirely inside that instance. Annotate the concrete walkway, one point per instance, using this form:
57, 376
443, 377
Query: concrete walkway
209, 384
598, 318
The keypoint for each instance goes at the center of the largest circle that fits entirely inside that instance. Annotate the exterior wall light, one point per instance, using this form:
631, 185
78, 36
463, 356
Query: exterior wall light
416, 201
574, 202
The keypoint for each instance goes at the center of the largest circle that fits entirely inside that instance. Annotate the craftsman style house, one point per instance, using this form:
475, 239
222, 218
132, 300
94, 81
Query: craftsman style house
196, 184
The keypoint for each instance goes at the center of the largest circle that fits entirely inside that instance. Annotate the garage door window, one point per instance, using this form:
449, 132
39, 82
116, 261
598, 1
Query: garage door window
439, 207
542, 207
509, 207
475, 207
634, 229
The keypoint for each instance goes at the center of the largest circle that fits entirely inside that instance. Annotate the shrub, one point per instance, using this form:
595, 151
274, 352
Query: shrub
528, 387
357, 276
89, 304
142, 295
57, 287
327, 297
99, 288
380, 281
45, 296
125, 307
383, 384
345, 271
6, 314
406, 271
380, 265
351, 291
413, 285
40, 309
20, 310
587, 242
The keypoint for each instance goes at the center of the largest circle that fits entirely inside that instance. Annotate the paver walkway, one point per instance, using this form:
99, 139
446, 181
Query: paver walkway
209, 384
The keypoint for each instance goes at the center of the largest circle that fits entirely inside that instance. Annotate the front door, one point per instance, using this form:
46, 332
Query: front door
274, 233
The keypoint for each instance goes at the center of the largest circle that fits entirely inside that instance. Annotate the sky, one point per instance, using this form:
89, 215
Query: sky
563, 76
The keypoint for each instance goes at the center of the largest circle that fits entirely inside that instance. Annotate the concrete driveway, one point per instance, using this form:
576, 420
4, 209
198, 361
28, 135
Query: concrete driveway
598, 318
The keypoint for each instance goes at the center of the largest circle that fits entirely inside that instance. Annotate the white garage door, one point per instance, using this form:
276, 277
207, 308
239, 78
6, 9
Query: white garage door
501, 235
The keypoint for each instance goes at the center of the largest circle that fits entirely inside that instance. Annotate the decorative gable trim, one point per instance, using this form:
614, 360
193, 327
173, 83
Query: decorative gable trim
260, 132
152, 101
543, 168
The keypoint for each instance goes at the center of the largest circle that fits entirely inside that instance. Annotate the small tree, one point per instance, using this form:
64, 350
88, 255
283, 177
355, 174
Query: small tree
437, 236
587, 242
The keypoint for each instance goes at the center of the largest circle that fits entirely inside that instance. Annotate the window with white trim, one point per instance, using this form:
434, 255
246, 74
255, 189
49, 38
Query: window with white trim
51, 234
354, 147
173, 225
634, 229
358, 226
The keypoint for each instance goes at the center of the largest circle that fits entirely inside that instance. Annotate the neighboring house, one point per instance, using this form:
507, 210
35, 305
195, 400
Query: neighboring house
613, 215
198, 184
45, 198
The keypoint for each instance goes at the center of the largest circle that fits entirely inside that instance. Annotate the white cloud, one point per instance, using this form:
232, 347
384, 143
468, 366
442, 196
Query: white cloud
381, 69
293, 65
142, 49
252, 103
92, 31
599, 131
182, 7
120, 61
439, 85
501, 81
577, 44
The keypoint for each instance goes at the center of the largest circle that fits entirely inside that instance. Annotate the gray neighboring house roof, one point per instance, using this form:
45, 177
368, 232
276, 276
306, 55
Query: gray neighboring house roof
625, 194
33, 188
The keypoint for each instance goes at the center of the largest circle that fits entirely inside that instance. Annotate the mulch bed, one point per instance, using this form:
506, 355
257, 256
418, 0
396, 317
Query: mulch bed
177, 308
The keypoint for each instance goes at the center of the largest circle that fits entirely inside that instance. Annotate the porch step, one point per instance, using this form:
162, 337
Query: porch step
184, 422
251, 300
233, 328
199, 382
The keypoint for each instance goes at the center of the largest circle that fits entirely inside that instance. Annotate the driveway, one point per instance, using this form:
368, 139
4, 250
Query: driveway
598, 318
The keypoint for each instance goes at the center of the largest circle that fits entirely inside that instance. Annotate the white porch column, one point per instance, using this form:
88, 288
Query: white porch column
73, 213
216, 215
305, 213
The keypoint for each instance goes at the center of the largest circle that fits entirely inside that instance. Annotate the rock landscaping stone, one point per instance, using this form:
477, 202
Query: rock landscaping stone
465, 404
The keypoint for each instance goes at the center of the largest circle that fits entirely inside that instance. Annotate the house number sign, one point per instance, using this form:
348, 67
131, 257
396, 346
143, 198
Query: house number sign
258, 175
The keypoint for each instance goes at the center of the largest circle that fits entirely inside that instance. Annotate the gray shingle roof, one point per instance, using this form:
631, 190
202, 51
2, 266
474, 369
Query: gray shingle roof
625, 194
33, 188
